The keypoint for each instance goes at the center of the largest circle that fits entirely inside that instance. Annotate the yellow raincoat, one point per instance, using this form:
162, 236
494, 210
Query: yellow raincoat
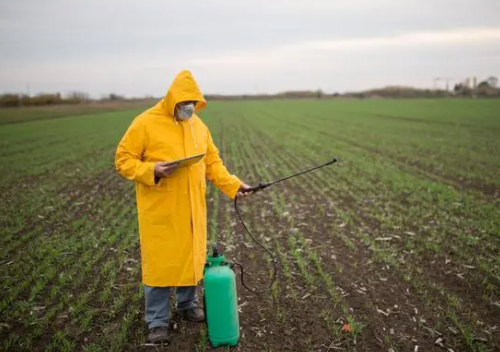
172, 213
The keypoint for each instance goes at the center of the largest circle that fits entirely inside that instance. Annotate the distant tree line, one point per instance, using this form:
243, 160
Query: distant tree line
393, 92
485, 89
305, 94
15, 100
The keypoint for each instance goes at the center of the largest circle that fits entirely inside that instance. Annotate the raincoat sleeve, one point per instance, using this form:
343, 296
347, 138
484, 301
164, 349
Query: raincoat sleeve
217, 172
128, 158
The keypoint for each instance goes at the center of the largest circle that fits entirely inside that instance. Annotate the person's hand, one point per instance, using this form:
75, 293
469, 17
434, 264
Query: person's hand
243, 187
163, 169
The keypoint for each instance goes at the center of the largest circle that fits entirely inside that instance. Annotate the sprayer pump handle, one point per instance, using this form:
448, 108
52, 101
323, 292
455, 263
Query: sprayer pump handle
254, 189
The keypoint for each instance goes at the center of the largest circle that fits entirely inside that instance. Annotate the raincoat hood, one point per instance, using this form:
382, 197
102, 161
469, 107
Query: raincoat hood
183, 88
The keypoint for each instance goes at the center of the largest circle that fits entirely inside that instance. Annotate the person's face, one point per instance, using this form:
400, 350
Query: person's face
185, 109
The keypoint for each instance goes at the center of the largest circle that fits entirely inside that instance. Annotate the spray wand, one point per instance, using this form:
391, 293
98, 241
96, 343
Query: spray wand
260, 187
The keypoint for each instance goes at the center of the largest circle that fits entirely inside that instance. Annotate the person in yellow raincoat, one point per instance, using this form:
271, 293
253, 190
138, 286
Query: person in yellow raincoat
171, 200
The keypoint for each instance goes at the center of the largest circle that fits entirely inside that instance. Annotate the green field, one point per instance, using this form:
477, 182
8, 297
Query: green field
401, 239
17, 115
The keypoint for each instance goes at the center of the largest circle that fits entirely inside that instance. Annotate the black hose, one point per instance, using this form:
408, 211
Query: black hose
274, 260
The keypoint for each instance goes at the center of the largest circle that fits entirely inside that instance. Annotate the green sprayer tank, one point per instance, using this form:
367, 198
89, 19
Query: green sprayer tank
221, 302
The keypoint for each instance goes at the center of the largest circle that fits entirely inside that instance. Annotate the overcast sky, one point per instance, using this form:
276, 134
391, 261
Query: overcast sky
135, 47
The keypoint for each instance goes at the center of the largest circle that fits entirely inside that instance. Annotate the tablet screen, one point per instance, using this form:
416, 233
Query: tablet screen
189, 161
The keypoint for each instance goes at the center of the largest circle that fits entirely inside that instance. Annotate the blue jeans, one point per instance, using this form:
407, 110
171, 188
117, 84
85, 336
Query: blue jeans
158, 303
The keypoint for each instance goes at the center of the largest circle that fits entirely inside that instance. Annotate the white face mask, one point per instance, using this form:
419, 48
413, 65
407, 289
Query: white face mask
185, 112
